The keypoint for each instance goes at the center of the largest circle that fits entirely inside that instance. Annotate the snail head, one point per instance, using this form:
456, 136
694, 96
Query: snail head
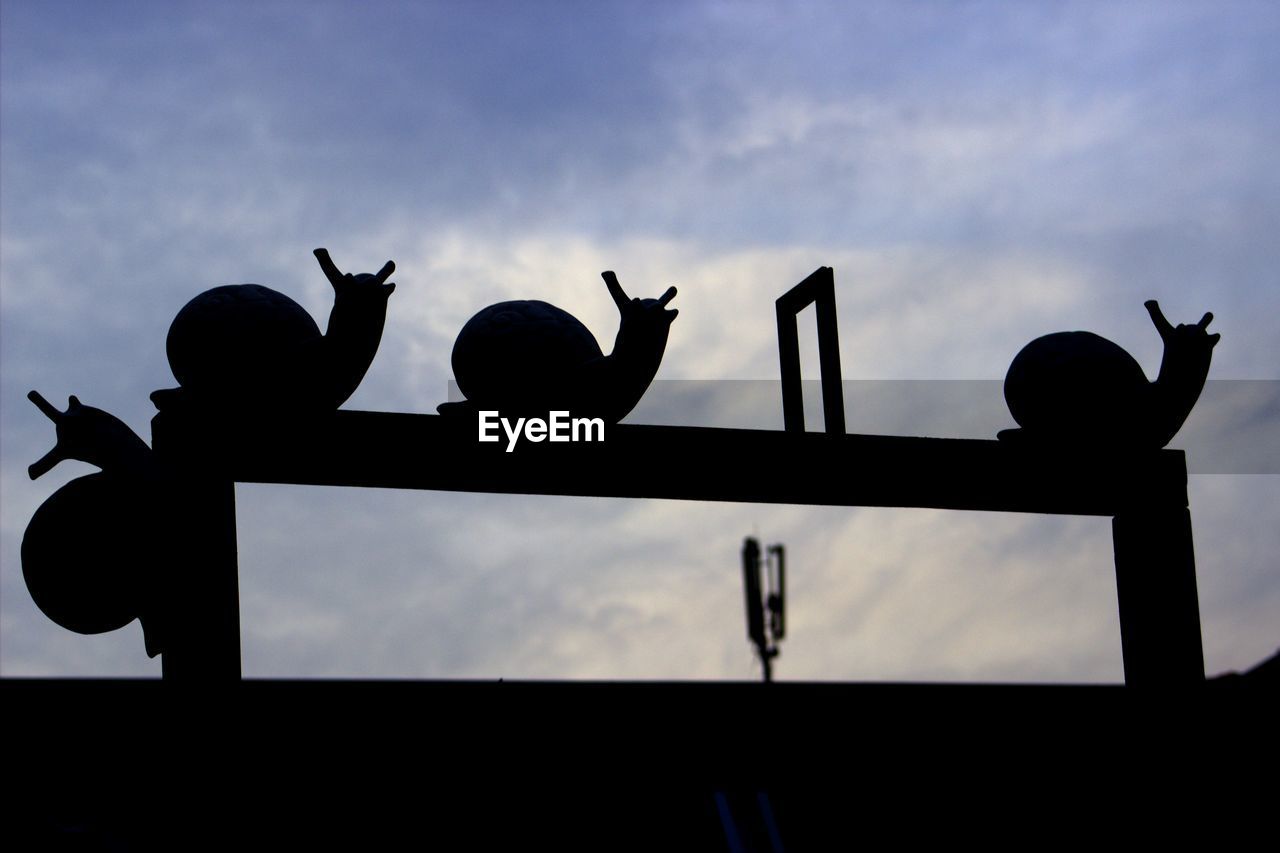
90, 435
1188, 350
650, 312
364, 285
1187, 340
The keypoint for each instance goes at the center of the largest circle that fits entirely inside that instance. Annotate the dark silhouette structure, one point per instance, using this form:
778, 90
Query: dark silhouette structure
187, 478
101, 551
766, 614
93, 554
90, 435
245, 347
1079, 388
71, 551
820, 288
528, 358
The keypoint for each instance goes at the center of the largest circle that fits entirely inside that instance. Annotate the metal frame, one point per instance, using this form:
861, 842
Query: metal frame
1145, 492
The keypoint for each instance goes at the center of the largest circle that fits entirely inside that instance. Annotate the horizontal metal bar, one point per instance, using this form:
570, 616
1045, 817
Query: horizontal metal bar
412, 451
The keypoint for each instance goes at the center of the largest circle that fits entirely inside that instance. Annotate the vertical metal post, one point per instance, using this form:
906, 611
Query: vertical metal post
1157, 596
199, 597
203, 595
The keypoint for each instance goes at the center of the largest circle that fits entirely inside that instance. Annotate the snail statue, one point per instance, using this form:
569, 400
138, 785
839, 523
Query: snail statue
247, 346
530, 358
93, 551
1079, 387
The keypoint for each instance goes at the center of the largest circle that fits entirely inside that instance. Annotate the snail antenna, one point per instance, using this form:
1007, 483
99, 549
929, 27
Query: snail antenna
615, 289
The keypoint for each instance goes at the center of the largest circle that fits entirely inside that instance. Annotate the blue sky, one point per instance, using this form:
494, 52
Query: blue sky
978, 174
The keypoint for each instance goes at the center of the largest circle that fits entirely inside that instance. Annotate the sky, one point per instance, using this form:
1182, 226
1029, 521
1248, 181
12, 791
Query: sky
977, 174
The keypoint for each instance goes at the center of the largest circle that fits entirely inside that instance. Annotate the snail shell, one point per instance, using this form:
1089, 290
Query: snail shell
1077, 384
523, 356
88, 552
242, 342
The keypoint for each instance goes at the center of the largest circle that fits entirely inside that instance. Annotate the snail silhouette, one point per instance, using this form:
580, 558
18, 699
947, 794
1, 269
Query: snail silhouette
531, 358
1080, 387
247, 346
93, 551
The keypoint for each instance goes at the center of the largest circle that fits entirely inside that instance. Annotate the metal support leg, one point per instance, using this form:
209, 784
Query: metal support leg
202, 592
1159, 605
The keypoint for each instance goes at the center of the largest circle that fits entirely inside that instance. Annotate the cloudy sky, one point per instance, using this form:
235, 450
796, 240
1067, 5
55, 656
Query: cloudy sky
977, 174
